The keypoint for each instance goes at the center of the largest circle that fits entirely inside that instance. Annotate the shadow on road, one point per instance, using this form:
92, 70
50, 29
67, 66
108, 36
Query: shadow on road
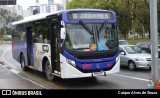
125, 68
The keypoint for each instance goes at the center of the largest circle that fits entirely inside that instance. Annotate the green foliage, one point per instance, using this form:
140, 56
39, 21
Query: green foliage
8, 18
135, 41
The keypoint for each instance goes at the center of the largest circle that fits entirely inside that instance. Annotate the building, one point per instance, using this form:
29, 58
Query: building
17, 9
50, 4
43, 8
64, 4
27, 13
35, 9
54, 7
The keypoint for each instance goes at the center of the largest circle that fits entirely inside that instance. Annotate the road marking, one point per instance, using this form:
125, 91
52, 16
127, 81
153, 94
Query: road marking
15, 71
43, 80
32, 81
147, 80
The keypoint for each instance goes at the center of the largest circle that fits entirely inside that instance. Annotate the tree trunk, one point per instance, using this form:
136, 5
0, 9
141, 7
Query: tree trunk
143, 31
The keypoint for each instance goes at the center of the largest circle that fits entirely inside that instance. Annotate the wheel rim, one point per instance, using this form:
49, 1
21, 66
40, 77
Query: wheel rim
131, 66
48, 70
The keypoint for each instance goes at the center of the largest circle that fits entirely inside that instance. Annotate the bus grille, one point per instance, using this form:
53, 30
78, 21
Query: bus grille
96, 56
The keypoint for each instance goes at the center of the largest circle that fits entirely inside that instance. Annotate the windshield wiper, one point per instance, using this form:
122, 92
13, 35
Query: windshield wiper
102, 26
97, 32
86, 27
93, 35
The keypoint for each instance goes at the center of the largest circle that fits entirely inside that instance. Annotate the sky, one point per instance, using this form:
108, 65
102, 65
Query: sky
26, 3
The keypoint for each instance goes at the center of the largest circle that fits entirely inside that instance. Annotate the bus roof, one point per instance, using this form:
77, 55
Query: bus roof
44, 15
34, 18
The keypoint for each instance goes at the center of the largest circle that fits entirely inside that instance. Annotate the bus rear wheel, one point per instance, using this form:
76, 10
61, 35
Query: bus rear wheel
23, 65
48, 71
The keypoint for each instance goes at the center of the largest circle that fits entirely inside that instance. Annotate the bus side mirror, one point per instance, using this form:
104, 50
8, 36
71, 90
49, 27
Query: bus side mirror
63, 33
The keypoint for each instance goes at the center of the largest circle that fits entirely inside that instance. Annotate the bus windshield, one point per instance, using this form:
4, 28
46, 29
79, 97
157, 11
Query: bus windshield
91, 37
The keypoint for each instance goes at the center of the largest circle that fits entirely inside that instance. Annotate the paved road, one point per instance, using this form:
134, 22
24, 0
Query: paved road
125, 79
10, 79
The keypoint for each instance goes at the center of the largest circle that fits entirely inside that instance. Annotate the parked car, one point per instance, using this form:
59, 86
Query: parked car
146, 46
134, 57
123, 42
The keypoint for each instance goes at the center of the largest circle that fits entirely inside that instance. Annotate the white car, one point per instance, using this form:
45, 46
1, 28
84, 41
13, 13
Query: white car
134, 57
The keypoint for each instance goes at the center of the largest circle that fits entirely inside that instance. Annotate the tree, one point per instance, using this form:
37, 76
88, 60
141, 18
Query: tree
9, 18
142, 15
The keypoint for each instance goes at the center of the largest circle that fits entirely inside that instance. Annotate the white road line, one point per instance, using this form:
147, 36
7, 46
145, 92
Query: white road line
32, 81
147, 80
3, 56
15, 71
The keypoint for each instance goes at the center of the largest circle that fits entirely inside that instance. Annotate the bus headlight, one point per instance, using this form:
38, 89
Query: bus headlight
71, 62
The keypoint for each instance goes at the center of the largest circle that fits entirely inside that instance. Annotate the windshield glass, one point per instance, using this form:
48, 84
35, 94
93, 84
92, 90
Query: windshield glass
133, 49
91, 37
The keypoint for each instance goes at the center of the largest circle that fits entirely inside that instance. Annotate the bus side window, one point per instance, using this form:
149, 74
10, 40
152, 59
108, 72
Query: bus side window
35, 37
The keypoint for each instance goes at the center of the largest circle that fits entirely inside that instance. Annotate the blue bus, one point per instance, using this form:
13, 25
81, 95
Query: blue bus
68, 44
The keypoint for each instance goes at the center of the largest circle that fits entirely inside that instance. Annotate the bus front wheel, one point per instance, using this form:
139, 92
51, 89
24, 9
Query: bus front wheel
23, 65
48, 71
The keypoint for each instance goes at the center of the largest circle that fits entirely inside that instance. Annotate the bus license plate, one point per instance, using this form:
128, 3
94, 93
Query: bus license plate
98, 74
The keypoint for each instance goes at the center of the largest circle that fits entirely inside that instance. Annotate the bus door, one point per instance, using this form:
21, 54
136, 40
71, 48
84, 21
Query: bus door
29, 46
55, 45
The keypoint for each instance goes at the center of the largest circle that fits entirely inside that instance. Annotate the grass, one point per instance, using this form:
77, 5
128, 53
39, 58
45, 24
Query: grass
136, 40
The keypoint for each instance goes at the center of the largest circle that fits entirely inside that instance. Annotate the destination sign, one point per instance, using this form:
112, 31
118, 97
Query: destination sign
90, 15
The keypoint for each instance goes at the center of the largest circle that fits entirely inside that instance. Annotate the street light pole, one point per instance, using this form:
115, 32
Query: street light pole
154, 41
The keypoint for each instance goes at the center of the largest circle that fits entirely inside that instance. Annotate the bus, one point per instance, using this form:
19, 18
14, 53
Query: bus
73, 43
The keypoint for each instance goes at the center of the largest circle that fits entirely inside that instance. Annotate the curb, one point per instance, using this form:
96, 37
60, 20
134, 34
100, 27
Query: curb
6, 62
16, 71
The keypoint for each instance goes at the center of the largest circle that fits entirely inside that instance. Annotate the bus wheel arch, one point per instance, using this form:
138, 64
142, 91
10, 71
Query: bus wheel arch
21, 56
45, 59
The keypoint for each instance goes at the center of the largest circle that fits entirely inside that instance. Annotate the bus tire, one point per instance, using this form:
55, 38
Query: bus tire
23, 64
48, 71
